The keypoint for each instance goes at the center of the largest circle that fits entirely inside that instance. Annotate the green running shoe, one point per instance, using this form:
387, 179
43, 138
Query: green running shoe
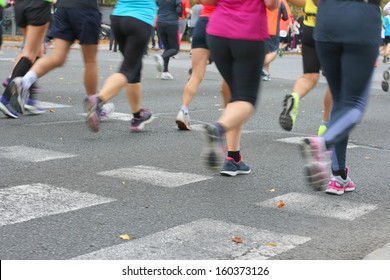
290, 111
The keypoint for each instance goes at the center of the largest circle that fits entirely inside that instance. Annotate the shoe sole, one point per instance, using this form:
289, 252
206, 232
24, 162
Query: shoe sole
234, 173
16, 100
92, 116
285, 119
334, 191
182, 126
211, 157
315, 176
315, 172
33, 110
142, 125
158, 63
6, 112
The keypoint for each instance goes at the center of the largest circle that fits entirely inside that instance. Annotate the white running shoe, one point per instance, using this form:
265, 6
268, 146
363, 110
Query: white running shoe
166, 76
106, 110
159, 62
183, 120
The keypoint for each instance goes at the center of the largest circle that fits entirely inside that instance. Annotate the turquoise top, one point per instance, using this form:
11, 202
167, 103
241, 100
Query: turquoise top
144, 10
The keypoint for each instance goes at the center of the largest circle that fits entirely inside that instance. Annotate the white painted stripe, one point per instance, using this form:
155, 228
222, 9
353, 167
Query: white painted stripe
22, 153
320, 206
298, 141
49, 105
27, 202
202, 239
155, 176
117, 116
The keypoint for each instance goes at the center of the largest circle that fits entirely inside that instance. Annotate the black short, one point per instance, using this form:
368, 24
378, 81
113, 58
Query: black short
199, 38
71, 24
32, 12
311, 63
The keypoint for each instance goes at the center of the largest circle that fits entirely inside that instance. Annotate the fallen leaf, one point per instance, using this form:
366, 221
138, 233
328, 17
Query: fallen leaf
125, 237
237, 239
52, 110
272, 244
272, 190
280, 204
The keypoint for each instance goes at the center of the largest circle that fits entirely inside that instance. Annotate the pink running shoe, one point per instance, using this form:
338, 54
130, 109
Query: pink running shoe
338, 185
317, 167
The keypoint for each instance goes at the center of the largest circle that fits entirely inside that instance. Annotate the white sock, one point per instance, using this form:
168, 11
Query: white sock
184, 109
28, 79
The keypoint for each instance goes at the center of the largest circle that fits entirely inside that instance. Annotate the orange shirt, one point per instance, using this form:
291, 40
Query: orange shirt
273, 21
207, 10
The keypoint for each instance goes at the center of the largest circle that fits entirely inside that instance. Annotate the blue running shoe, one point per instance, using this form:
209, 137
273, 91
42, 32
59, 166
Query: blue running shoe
233, 168
6, 108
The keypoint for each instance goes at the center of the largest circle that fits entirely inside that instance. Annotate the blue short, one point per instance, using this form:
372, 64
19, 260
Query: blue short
72, 24
272, 44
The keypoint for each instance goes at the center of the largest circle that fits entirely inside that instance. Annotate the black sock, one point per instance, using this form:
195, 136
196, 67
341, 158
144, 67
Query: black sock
20, 69
234, 155
342, 173
137, 115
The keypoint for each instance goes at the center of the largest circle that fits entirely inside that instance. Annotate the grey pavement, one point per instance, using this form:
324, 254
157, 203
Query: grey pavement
381, 253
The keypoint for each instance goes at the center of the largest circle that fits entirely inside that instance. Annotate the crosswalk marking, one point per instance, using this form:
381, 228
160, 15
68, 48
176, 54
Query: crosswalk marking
117, 116
320, 206
23, 153
27, 202
155, 176
49, 105
298, 141
203, 239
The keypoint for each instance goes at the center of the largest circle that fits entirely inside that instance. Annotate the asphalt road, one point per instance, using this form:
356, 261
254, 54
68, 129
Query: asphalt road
68, 193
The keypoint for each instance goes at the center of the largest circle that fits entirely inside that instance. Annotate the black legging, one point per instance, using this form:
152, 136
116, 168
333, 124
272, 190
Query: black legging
349, 69
169, 34
240, 63
132, 36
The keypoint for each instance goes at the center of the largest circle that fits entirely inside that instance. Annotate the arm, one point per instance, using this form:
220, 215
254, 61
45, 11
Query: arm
283, 12
272, 4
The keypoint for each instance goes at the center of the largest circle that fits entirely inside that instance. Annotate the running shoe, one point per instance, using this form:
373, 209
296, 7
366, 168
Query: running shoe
32, 106
166, 76
264, 72
106, 110
183, 120
233, 168
6, 108
322, 129
317, 167
290, 111
19, 95
138, 124
213, 152
159, 62
266, 78
338, 185
92, 108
